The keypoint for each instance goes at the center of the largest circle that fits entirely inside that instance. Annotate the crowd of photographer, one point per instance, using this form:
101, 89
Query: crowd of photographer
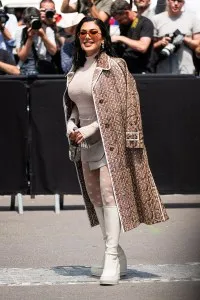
165, 39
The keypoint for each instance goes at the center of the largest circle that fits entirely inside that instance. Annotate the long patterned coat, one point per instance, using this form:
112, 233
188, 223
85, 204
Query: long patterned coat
118, 112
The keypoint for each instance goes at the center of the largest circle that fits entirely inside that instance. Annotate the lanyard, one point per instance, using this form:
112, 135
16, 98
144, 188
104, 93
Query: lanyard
135, 22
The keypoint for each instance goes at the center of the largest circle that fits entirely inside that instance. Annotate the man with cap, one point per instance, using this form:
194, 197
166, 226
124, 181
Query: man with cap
96, 8
135, 39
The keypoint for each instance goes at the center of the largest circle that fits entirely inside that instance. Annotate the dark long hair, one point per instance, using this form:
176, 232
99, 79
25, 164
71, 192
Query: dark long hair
28, 14
79, 58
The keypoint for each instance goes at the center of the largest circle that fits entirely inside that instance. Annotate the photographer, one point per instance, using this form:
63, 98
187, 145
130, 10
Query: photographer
35, 44
8, 26
48, 14
134, 44
96, 8
176, 35
49, 18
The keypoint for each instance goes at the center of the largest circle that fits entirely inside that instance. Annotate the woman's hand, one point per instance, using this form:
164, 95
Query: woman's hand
41, 33
72, 136
31, 32
76, 136
79, 137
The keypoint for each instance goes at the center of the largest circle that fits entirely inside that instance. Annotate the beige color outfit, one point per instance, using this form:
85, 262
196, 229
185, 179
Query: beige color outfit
96, 175
117, 109
80, 92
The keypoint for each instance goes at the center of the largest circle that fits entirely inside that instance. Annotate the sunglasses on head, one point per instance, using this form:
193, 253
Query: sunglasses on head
92, 33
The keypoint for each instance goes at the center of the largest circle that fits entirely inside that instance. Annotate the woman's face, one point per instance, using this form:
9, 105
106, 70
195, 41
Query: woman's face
90, 38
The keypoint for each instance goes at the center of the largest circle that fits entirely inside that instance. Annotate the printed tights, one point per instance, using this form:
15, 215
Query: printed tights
99, 186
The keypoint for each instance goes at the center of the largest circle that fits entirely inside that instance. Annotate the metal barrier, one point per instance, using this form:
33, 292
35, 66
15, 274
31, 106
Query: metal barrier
34, 149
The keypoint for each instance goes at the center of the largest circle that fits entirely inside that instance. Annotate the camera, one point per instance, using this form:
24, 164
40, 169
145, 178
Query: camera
35, 23
3, 16
50, 13
176, 40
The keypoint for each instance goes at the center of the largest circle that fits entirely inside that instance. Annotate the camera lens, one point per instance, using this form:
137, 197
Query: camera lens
36, 24
50, 14
168, 50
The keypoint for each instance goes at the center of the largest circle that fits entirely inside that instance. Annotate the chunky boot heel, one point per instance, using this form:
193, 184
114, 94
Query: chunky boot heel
98, 270
111, 271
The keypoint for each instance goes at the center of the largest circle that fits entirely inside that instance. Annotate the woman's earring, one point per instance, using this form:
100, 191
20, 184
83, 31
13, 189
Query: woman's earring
102, 46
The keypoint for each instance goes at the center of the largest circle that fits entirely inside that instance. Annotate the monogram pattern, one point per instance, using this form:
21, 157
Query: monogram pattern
118, 111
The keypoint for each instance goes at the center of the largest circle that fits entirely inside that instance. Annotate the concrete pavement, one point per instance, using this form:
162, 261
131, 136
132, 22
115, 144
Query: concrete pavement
47, 256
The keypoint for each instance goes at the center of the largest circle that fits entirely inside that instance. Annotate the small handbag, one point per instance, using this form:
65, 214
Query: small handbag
74, 151
94, 152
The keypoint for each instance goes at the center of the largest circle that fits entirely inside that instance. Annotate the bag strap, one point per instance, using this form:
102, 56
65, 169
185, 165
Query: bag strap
35, 52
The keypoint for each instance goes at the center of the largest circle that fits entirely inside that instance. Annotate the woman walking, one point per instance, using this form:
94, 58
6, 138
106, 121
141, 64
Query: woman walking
103, 117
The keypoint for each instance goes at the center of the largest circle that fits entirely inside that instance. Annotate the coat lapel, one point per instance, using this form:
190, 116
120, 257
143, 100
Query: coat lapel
103, 63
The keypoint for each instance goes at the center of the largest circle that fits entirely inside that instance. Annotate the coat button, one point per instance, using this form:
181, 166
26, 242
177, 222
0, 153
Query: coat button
101, 101
111, 148
106, 125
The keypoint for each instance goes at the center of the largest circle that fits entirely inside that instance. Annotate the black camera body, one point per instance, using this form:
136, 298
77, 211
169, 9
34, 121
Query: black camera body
50, 13
176, 40
3, 16
35, 23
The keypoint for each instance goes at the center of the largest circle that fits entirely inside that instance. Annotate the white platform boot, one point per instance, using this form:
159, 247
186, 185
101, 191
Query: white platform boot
97, 270
111, 271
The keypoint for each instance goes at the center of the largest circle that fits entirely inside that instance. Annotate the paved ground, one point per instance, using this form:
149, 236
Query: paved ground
47, 256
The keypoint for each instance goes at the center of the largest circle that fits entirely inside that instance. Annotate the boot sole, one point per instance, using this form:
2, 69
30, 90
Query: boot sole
107, 282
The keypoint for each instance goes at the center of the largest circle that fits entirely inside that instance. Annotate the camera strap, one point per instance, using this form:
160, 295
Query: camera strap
36, 58
135, 23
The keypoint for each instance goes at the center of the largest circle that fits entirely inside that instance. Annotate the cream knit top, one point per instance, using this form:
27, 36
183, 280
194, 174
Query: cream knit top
80, 91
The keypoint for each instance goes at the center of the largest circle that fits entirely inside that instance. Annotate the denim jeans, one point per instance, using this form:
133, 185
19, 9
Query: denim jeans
28, 67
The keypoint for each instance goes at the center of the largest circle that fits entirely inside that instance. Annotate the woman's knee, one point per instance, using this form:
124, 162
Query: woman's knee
108, 195
96, 201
